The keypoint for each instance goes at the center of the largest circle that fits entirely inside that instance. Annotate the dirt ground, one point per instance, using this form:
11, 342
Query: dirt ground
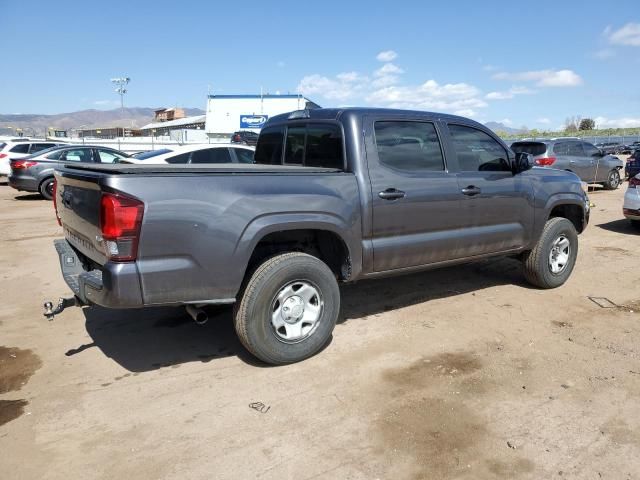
463, 373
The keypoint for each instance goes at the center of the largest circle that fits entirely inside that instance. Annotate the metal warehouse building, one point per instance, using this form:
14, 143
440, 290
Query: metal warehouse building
229, 113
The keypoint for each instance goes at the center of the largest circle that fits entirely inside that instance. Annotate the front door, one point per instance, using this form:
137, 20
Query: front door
497, 206
415, 200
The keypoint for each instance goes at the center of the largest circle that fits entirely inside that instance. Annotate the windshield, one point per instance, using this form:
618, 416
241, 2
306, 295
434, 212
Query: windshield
152, 153
534, 148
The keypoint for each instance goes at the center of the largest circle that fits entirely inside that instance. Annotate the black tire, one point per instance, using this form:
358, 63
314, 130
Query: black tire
46, 188
538, 262
259, 304
613, 180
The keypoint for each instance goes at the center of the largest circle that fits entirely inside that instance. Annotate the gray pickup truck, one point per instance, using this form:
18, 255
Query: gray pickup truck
335, 195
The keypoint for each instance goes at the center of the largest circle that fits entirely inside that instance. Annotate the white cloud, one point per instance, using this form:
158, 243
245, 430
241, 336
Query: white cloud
343, 87
387, 56
509, 94
429, 96
625, 122
543, 78
543, 121
628, 35
385, 88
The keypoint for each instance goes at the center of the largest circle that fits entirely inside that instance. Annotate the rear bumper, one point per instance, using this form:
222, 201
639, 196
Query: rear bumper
115, 285
26, 184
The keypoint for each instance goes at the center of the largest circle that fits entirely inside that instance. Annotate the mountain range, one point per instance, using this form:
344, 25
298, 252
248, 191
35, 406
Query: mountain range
501, 127
128, 117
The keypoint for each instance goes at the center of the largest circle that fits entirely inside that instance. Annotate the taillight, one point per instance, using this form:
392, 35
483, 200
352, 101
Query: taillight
3, 155
634, 182
545, 162
55, 200
120, 222
20, 164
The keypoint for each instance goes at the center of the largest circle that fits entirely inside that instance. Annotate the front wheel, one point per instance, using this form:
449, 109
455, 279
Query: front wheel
551, 261
288, 308
613, 180
46, 188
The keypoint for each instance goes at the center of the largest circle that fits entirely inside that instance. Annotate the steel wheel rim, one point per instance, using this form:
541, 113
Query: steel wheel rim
559, 255
614, 178
296, 310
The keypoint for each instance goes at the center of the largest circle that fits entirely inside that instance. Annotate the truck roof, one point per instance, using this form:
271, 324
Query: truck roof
338, 113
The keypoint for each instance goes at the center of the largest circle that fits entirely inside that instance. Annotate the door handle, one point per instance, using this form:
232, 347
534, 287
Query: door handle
572, 161
391, 194
471, 190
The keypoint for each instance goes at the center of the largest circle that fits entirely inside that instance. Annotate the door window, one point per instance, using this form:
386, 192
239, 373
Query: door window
244, 155
211, 155
36, 147
575, 149
76, 155
590, 150
109, 156
409, 146
478, 151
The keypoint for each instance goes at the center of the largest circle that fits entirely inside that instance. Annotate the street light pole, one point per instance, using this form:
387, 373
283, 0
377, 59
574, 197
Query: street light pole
121, 83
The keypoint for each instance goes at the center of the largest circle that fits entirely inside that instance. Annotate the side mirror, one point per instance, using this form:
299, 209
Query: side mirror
523, 162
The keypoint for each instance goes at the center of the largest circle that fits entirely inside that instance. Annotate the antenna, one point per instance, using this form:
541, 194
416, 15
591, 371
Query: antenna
121, 82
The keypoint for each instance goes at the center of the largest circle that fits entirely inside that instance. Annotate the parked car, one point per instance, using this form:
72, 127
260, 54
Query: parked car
582, 158
34, 173
631, 206
202, 153
632, 167
19, 148
245, 137
336, 195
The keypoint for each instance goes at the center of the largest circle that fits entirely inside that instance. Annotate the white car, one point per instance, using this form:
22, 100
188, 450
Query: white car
203, 153
19, 149
631, 206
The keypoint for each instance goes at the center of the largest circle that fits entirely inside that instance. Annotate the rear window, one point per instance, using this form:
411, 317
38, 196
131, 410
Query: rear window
2, 145
211, 155
269, 148
22, 148
313, 144
534, 148
152, 153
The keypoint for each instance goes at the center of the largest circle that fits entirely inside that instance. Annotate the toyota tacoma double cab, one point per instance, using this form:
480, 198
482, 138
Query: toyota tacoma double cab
334, 195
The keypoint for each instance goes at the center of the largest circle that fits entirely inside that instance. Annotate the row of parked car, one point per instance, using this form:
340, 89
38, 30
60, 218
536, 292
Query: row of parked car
30, 164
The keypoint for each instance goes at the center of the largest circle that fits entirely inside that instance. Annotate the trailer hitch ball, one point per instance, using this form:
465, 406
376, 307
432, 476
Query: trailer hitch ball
50, 312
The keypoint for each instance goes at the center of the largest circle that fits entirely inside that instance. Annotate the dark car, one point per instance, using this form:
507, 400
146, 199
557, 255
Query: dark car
610, 148
35, 172
245, 137
633, 164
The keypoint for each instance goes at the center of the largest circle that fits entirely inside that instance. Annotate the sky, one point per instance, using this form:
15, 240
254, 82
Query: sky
533, 64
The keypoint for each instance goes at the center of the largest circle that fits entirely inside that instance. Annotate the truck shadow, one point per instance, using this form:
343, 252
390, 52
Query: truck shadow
620, 226
145, 340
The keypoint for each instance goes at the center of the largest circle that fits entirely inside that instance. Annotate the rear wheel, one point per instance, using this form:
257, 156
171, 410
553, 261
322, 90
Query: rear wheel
613, 180
46, 188
288, 308
551, 261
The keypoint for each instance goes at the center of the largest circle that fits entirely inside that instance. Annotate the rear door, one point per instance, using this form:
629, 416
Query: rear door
415, 199
597, 171
497, 207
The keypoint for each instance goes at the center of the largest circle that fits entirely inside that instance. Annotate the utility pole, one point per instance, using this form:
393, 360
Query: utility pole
121, 83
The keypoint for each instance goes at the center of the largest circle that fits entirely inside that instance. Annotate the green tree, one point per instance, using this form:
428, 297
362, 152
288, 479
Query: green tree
587, 124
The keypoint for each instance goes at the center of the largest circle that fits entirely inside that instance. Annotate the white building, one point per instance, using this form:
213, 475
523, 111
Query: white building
229, 113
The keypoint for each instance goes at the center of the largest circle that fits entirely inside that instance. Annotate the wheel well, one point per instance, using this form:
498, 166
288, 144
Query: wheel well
323, 244
571, 212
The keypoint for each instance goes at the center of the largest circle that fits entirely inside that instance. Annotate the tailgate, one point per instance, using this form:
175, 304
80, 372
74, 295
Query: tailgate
78, 205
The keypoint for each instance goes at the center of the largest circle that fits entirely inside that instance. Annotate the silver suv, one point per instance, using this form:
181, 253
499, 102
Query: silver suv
591, 164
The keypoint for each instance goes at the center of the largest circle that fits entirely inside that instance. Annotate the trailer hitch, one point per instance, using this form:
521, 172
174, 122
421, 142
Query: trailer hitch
63, 303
